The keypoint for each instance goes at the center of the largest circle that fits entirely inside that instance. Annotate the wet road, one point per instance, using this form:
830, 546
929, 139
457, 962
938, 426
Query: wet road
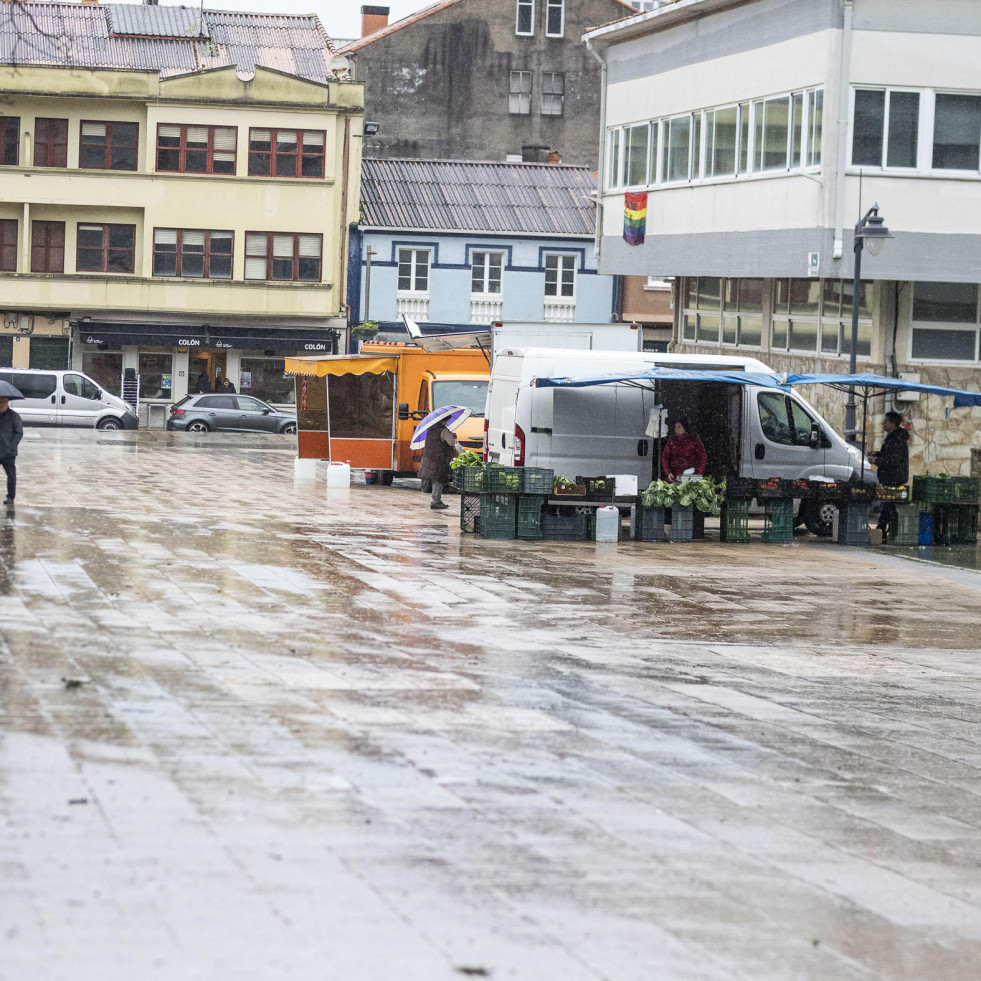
254, 729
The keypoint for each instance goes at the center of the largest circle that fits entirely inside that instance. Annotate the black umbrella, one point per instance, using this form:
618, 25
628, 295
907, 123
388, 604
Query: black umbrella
7, 391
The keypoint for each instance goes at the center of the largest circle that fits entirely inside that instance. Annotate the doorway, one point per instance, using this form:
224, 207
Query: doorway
205, 364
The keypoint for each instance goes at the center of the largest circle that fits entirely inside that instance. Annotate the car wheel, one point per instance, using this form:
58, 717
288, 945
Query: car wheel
384, 477
198, 426
289, 429
109, 423
818, 518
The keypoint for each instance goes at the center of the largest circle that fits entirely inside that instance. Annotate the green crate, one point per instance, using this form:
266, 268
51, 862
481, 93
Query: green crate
498, 515
964, 490
537, 480
502, 480
472, 480
907, 530
529, 516
734, 522
469, 513
933, 490
778, 522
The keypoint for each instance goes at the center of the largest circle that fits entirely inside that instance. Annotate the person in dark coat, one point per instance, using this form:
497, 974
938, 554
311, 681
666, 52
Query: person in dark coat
892, 463
683, 450
439, 450
11, 433
204, 382
226, 386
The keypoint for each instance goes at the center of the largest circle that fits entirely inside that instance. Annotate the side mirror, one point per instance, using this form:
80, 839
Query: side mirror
815, 440
266, 412
403, 410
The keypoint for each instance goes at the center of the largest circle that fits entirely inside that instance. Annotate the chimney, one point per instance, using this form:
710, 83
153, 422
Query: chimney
554, 157
373, 19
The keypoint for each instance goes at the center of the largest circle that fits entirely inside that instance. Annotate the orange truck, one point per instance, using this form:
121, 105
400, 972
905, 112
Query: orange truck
362, 409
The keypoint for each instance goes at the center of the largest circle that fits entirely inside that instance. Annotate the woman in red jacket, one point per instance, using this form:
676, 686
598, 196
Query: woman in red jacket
682, 451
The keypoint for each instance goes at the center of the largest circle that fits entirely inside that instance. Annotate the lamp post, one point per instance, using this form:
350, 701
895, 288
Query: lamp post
872, 232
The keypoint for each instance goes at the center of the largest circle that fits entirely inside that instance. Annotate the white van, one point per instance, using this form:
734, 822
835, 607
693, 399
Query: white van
748, 431
67, 398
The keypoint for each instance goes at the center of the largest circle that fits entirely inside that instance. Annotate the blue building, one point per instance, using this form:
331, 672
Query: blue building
457, 243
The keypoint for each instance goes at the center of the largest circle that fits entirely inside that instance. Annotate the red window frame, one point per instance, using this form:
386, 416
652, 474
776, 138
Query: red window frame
281, 162
47, 246
50, 142
207, 255
9, 141
182, 150
110, 145
271, 258
105, 249
8, 245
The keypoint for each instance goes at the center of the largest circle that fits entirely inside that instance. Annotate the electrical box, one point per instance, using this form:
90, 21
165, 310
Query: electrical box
907, 396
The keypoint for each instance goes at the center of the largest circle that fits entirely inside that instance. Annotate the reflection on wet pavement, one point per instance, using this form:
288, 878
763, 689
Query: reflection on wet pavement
254, 728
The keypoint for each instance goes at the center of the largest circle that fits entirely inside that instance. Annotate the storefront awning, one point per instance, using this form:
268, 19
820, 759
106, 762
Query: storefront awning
321, 367
207, 337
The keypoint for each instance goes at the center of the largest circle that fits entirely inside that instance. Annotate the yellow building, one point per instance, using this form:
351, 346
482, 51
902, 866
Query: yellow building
187, 219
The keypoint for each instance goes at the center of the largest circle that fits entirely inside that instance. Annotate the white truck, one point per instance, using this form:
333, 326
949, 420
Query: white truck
747, 430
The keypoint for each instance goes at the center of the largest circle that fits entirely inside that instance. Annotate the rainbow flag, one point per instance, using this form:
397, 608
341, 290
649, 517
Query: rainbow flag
634, 217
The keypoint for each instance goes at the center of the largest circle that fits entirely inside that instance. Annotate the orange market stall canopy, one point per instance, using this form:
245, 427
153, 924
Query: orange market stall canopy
345, 409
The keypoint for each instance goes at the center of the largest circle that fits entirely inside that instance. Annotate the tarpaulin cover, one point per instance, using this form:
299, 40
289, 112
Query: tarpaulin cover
864, 380
963, 401
340, 365
763, 379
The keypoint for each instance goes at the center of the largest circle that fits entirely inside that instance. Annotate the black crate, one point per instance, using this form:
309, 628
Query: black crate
469, 513
856, 490
853, 523
597, 488
529, 516
955, 524
741, 488
564, 527
649, 524
498, 515
964, 490
682, 523
773, 487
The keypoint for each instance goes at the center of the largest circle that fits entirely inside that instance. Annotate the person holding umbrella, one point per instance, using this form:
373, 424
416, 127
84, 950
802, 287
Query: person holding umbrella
434, 435
11, 433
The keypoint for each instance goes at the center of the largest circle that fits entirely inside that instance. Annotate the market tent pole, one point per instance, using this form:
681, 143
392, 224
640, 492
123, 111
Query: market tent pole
865, 419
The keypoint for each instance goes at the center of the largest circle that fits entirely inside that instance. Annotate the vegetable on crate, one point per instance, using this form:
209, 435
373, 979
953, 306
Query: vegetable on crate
706, 494
467, 459
562, 481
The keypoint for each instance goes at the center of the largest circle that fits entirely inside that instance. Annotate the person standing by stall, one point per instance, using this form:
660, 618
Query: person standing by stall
892, 464
683, 450
439, 451
11, 433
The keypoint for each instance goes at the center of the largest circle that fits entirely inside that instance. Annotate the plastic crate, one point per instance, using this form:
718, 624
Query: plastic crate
802, 489
682, 523
886, 493
502, 480
528, 523
570, 490
649, 524
536, 480
470, 479
965, 490
597, 488
955, 524
926, 528
778, 522
933, 490
907, 529
741, 488
773, 487
734, 522
469, 513
498, 515
855, 490
564, 527
853, 523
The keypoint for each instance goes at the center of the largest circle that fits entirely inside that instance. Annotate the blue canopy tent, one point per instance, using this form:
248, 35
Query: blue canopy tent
732, 377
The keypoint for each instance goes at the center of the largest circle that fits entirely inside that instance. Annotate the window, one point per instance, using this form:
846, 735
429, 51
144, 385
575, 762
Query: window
105, 367
283, 257
677, 148
50, 142
796, 311
774, 420
196, 149
486, 273
945, 322
519, 99
47, 352
886, 129
413, 271
34, 386
553, 93
286, 152
772, 133
48, 246
957, 132
554, 18
636, 140
105, 248
108, 146
156, 374
81, 387
525, 21
8, 245
9, 140
721, 131
266, 379
815, 120
742, 312
560, 276
192, 252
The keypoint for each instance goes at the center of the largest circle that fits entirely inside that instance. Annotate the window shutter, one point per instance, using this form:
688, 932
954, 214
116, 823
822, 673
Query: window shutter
283, 246
165, 236
310, 246
94, 129
255, 268
167, 131
313, 141
194, 239
197, 134
224, 138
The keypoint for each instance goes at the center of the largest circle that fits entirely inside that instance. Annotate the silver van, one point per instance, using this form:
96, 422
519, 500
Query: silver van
67, 398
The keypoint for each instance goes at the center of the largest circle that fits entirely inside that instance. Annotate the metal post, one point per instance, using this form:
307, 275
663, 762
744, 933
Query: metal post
856, 286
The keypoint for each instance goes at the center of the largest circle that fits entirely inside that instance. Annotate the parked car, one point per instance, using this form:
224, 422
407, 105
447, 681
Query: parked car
67, 398
242, 413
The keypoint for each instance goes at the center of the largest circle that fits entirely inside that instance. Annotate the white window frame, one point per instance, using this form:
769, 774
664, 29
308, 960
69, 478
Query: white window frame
924, 150
517, 94
487, 254
947, 327
550, 5
414, 264
564, 259
550, 97
530, 4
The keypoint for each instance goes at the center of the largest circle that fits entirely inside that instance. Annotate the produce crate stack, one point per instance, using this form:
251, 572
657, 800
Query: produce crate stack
564, 527
498, 515
853, 523
954, 505
734, 522
469, 513
741, 488
504, 502
529, 520
907, 529
778, 521
649, 524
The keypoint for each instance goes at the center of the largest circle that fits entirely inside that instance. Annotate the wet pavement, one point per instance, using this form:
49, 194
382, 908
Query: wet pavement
252, 728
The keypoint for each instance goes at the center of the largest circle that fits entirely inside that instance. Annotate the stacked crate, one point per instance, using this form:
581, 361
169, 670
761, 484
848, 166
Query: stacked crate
854, 510
953, 502
776, 495
504, 502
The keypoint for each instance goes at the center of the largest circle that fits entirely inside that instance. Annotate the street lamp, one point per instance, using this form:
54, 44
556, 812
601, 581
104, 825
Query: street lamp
871, 233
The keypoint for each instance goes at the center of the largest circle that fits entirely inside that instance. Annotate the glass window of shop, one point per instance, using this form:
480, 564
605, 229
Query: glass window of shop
156, 367
104, 367
48, 352
265, 379
6, 352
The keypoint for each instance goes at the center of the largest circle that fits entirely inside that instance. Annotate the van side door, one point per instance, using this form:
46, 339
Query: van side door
79, 401
39, 407
785, 439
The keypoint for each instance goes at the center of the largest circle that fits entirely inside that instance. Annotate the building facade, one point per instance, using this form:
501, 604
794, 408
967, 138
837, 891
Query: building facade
183, 220
459, 243
725, 112
485, 80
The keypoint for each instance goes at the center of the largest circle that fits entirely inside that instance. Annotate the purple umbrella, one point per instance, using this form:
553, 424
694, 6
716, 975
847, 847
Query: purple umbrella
452, 415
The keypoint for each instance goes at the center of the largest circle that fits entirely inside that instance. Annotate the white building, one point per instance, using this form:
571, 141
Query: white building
763, 130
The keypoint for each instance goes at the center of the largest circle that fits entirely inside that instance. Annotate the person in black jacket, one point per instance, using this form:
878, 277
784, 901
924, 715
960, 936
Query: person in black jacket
892, 463
11, 433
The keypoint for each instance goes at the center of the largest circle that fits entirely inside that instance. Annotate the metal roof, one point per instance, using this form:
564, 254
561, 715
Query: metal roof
170, 40
458, 195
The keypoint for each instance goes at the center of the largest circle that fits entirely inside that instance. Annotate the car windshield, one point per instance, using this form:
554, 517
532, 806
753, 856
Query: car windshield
471, 392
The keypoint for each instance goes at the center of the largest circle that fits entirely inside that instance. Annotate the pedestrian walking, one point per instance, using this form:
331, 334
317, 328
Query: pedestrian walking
892, 463
439, 450
11, 433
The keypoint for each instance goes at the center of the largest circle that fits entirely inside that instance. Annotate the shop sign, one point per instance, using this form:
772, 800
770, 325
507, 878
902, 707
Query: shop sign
315, 347
189, 342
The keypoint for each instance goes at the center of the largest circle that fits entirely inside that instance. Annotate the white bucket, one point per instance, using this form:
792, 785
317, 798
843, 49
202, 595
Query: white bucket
607, 524
304, 469
338, 474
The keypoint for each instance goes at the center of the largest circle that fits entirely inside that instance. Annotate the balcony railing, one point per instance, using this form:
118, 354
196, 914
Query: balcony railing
414, 307
486, 310
560, 311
